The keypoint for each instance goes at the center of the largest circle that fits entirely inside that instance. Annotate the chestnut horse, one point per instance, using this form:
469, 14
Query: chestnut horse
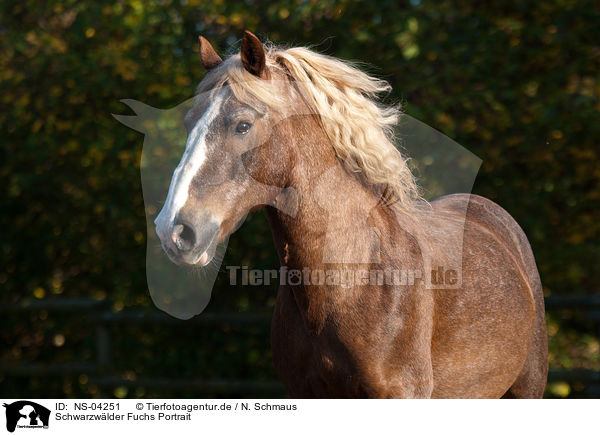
291, 126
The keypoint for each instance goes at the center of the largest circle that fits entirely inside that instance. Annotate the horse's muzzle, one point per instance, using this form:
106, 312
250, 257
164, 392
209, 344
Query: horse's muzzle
190, 243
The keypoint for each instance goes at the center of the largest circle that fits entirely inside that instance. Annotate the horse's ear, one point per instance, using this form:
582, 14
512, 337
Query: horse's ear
210, 58
253, 55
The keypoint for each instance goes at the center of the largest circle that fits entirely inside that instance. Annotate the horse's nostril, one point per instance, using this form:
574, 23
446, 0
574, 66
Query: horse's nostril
183, 237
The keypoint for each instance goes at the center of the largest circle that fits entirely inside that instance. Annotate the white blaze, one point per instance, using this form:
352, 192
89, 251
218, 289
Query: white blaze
191, 162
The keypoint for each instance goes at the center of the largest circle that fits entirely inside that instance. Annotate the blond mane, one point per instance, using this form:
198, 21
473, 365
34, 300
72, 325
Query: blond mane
360, 128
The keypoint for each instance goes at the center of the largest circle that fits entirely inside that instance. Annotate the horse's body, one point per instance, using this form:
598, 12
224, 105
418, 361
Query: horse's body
481, 340
485, 337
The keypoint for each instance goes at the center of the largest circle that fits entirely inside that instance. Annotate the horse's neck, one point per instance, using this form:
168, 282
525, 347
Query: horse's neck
330, 229
328, 201
327, 206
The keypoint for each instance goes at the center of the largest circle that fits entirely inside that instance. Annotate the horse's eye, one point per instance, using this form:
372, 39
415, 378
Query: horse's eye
243, 127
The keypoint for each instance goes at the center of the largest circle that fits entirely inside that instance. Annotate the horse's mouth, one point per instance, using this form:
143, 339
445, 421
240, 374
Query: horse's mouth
197, 257
209, 254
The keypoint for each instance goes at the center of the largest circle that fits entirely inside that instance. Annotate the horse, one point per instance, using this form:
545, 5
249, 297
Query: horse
298, 128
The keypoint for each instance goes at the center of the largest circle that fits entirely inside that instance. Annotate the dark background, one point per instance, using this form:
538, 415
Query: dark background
514, 82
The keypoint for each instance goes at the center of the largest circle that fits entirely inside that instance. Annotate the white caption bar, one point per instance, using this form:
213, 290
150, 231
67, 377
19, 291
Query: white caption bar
43, 416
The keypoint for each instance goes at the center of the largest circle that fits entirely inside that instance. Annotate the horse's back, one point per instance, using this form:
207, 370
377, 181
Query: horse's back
492, 328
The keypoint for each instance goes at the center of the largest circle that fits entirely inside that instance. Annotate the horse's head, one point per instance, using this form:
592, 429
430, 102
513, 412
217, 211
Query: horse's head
232, 161
264, 121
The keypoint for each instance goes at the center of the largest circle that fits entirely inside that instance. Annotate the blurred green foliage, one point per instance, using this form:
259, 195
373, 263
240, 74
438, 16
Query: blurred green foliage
515, 82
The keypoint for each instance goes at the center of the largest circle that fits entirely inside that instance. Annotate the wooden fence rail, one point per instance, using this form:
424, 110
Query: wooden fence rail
100, 370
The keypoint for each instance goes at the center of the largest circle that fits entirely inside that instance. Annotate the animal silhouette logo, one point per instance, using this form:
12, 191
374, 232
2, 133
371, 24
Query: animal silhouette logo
26, 414
444, 167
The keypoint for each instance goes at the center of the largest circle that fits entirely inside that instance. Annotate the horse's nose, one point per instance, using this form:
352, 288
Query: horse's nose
183, 237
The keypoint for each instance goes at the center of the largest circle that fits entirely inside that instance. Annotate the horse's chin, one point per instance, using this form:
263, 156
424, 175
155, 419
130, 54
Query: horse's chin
204, 260
198, 261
